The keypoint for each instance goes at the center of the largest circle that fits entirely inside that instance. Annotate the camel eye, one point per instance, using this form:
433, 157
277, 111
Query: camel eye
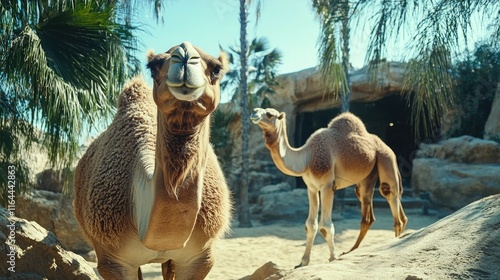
269, 115
216, 72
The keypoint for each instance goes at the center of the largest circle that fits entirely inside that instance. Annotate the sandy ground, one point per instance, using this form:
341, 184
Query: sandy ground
247, 249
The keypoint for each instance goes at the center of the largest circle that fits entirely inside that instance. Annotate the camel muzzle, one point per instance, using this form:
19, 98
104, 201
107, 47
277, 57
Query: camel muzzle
256, 115
185, 77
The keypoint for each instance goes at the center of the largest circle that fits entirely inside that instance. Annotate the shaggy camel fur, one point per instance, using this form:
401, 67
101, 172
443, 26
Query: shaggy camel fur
150, 188
334, 158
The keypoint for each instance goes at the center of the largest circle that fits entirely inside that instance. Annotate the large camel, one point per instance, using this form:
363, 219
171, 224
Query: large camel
150, 188
334, 158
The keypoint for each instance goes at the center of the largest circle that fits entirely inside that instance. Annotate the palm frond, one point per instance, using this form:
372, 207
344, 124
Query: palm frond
333, 74
262, 69
64, 70
430, 80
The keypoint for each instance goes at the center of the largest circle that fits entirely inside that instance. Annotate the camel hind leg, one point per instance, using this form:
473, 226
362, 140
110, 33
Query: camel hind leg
391, 189
364, 191
326, 227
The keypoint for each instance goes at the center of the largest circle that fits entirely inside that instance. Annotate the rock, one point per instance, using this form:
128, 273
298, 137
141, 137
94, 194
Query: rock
464, 245
37, 254
53, 211
291, 205
463, 149
455, 185
457, 171
492, 126
50, 180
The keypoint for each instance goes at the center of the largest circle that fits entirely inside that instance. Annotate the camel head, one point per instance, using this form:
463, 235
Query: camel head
267, 119
186, 80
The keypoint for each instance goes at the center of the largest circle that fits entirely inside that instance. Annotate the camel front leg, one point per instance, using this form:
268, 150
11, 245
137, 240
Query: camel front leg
326, 227
391, 193
311, 224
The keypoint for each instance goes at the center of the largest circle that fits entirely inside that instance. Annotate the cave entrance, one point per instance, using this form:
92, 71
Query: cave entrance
388, 118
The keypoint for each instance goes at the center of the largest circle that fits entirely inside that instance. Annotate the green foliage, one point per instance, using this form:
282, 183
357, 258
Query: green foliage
435, 32
262, 71
331, 15
477, 77
221, 138
62, 63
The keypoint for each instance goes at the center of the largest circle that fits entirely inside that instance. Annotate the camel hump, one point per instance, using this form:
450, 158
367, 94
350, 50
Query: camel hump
134, 90
347, 123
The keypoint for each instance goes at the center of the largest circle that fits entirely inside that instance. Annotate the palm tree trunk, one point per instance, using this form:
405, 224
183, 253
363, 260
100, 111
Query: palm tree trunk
244, 213
346, 96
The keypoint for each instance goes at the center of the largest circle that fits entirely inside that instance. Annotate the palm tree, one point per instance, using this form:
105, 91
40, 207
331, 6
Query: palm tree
261, 76
244, 213
437, 30
61, 65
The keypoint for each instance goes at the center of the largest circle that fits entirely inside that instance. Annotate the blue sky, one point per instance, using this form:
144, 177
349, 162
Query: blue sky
289, 25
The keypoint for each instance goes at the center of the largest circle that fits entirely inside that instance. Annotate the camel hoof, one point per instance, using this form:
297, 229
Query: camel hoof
297, 266
345, 253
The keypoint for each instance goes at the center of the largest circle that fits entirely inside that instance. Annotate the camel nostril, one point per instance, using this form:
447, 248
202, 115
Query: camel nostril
193, 60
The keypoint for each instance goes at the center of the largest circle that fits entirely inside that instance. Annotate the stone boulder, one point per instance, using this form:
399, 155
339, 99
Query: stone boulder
457, 171
463, 245
53, 211
28, 251
463, 149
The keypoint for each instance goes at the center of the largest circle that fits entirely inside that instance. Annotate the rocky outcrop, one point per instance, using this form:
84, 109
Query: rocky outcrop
492, 127
457, 171
28, 251
53, 211
464, 245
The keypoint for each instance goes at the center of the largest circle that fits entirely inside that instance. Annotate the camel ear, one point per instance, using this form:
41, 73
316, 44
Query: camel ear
150, 55
224, 60
282, 115
155, 63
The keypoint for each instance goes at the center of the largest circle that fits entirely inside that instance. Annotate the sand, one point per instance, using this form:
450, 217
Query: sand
247, 249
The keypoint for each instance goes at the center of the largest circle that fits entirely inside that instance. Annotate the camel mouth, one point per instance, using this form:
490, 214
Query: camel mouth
255, 118
257, 114
185, 93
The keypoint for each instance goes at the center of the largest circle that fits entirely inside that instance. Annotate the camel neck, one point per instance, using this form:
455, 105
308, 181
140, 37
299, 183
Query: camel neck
289, 160
179, 152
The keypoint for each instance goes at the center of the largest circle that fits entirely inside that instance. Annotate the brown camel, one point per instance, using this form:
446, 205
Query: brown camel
334, 158
150, 188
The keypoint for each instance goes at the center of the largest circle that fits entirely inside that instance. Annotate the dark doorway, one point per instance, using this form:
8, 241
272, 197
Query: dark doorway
388, 118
